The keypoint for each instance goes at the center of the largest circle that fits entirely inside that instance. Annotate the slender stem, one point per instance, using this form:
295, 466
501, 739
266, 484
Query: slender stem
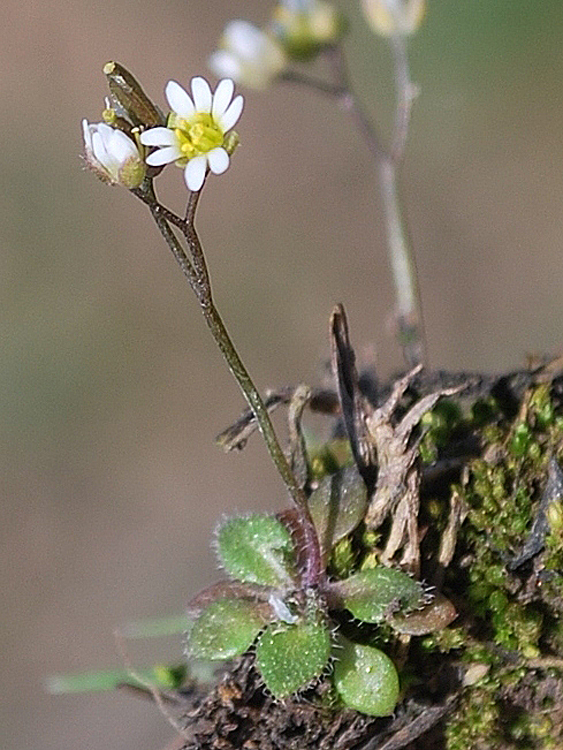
198, 276
351, 104
403, 268
405, 93
323, 87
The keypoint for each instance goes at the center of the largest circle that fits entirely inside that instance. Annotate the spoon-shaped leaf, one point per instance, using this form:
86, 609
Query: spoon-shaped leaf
337, 506
290, 657
372, 595
366, 679
257, 549
226, 628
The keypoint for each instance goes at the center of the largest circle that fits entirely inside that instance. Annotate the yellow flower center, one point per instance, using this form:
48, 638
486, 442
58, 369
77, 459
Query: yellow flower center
197, 135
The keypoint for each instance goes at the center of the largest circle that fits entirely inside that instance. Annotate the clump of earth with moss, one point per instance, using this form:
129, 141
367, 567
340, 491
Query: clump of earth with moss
464, 495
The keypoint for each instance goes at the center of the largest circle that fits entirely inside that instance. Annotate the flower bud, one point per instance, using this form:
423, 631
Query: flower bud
248, 55
389, 17
112, 155
305, 26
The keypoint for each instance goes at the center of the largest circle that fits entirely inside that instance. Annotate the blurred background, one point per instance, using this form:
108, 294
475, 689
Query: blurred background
111, 390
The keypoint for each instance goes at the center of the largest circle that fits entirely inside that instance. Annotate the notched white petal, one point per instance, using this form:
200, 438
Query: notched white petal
164, 156
194, 173
202, 94
222, 97
231, 116
179, 100
218, 160
158, 137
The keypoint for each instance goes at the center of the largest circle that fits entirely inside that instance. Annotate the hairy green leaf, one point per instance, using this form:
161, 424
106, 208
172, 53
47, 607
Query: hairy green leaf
257, 549
372, 595
226, 628
290, 657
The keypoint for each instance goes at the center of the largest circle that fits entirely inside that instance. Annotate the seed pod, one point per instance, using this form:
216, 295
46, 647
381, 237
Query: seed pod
128, 98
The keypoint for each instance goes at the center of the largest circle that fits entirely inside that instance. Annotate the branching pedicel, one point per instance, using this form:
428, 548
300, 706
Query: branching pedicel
281, 596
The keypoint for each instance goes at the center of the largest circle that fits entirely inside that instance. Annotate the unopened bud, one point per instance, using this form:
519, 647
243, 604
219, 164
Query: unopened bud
304, 28
394, 17
112, 155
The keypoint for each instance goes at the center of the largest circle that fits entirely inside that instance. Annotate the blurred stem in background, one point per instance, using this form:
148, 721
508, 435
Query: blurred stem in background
388, 160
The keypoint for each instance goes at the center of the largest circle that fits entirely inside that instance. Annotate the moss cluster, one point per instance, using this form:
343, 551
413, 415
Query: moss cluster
509, 630
510, 615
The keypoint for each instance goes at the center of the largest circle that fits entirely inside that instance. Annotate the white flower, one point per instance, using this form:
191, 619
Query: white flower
112, 155
248, 55
388, 17
195, 135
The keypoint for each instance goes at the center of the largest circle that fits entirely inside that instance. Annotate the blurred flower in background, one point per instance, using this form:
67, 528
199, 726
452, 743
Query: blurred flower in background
304, 27
248, 55
389, 17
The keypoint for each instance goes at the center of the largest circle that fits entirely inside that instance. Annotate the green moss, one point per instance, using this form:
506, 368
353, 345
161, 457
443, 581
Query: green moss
476, 722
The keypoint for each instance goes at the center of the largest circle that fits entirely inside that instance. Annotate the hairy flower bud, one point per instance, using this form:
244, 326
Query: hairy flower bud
112, 155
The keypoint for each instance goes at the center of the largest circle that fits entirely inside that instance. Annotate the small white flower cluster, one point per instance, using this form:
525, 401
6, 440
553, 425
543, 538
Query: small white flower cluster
194, 138
255, 57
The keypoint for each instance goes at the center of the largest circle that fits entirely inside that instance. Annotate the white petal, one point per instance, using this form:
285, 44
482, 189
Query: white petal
179, 100
87, 135
218, 160
222, 98
164, 156
202, 94
121, 146
99, 149
244, 39
158, 137
225, 64
194, 173
231, 116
